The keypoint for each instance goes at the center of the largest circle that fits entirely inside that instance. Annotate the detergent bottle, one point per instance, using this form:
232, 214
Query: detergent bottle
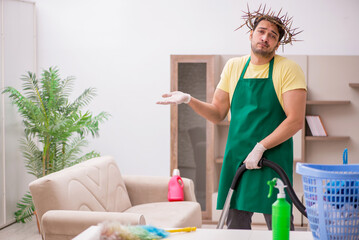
280, 211
175, 187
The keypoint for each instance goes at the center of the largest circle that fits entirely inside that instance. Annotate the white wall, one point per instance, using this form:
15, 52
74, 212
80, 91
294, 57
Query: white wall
17, 55
123, 49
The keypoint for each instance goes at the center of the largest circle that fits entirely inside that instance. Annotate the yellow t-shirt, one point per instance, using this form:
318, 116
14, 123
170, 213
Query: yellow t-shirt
287, 75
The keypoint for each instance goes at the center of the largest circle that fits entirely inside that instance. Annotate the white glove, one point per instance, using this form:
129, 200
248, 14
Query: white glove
176, 97
254, 156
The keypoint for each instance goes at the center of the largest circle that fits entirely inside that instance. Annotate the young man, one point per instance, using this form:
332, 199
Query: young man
266, 96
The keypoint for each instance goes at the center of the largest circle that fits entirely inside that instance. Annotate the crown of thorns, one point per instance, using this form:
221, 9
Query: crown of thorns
282, 21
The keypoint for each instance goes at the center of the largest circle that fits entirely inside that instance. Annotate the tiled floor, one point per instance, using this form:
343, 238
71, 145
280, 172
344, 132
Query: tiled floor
20, 231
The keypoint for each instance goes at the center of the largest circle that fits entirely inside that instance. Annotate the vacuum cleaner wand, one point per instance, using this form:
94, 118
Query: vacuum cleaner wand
266, 163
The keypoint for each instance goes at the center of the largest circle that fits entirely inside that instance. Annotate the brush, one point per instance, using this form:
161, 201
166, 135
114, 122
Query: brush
117, 231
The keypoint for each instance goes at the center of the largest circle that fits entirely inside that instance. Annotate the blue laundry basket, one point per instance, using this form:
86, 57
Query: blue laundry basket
331, 194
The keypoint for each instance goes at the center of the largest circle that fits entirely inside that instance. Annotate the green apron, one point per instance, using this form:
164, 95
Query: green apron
255, 113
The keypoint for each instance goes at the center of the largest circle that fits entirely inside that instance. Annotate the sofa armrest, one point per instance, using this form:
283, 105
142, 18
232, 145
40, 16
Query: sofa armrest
66, 224
149, 189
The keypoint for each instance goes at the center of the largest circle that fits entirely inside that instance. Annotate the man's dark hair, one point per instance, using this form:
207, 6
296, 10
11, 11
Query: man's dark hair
273, 20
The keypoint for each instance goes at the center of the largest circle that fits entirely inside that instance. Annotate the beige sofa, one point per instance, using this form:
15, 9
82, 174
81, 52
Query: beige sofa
69, 201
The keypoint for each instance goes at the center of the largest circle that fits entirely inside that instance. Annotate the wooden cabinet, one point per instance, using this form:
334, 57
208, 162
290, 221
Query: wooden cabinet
192, 137
309, 111
330, 78
200, 158
197, 145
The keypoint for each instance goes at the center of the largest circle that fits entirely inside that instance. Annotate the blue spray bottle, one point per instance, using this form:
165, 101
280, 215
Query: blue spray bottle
280, 211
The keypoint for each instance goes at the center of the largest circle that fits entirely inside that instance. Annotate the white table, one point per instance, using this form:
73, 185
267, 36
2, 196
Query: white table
215, 234
93, 233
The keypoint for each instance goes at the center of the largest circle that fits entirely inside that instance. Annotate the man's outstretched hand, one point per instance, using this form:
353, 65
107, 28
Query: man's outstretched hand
176, 97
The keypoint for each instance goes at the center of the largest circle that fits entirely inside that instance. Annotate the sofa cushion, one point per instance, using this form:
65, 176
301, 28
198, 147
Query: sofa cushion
66, 224
170, 214
101, 185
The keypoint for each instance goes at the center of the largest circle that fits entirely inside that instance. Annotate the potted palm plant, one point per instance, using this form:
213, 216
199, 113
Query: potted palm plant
55, 127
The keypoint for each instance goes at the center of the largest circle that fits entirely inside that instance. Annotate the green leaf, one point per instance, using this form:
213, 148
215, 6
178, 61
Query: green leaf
26, 209
33, 157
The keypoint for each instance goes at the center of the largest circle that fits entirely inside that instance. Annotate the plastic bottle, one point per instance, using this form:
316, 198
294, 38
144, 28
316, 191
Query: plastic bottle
280, 211
175, 187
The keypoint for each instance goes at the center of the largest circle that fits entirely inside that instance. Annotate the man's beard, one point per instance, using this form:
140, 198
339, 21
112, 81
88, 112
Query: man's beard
261, 52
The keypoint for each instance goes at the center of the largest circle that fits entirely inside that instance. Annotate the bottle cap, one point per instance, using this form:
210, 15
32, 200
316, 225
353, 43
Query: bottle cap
280, 185
176, 172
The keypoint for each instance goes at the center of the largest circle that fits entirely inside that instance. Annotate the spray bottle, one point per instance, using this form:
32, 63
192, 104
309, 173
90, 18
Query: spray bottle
280, 211
175, 187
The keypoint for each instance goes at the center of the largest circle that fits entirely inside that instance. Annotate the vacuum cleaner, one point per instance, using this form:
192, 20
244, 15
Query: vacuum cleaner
262, 163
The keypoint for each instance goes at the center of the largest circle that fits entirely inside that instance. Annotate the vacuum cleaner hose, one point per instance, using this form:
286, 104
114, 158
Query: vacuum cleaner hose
279, 170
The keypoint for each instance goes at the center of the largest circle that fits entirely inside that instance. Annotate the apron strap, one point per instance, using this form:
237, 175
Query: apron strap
271, 63
245, 68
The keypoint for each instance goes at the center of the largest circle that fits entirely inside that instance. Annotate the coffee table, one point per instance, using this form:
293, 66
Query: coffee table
92, 233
